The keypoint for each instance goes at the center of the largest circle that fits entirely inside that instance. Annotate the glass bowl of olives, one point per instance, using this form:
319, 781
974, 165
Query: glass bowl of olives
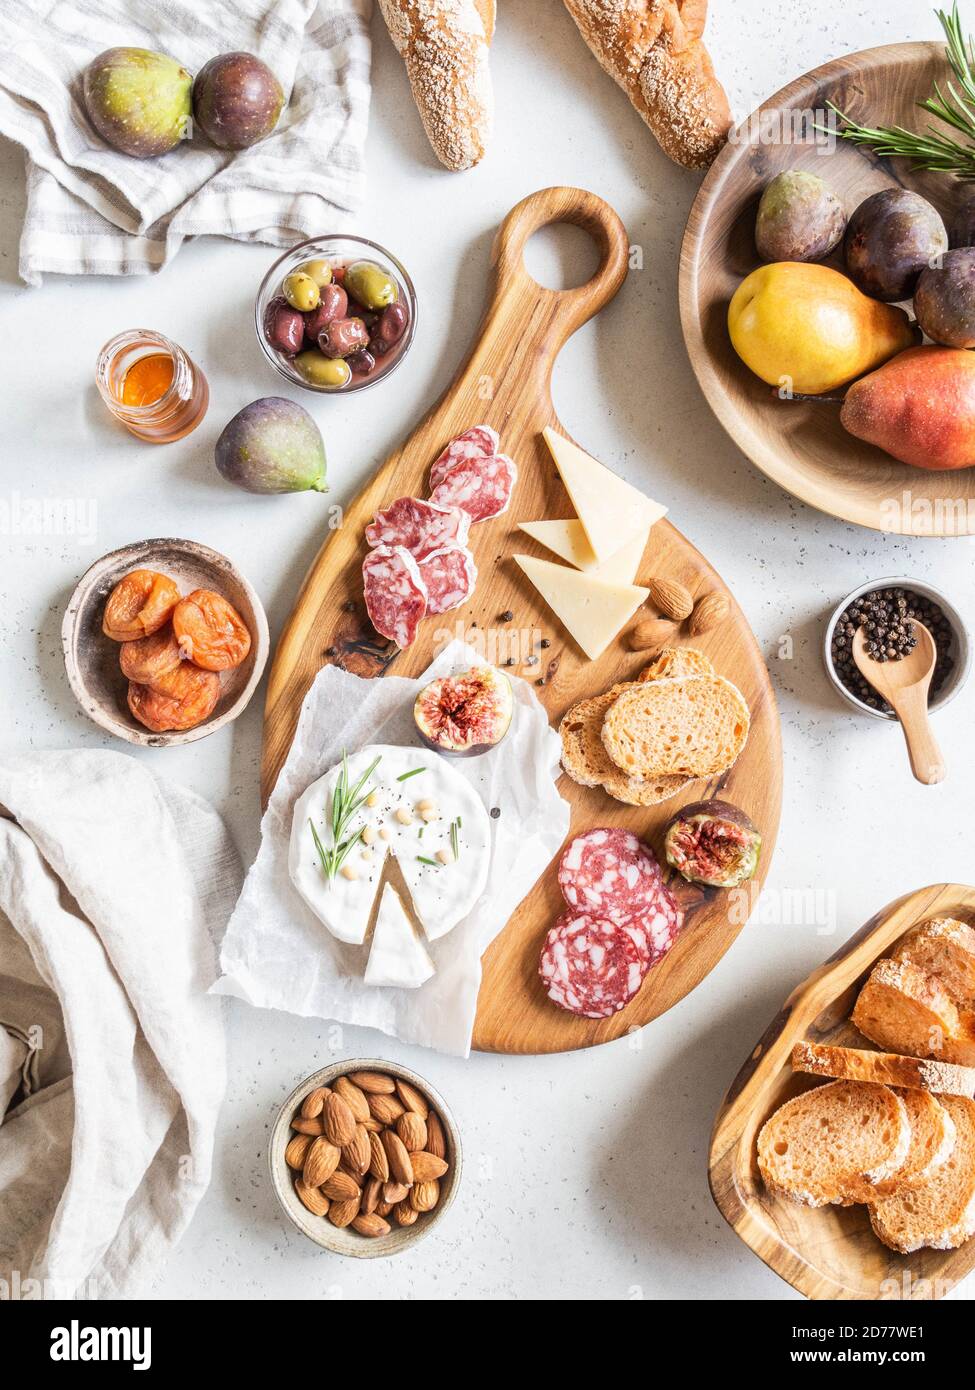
335, 314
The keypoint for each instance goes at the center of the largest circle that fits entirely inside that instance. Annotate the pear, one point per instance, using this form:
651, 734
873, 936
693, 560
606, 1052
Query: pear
919, 407
806, 328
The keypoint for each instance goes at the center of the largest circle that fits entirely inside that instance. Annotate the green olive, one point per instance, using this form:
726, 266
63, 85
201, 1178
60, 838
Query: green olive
334, 372
300, 291
370, 285
320, 271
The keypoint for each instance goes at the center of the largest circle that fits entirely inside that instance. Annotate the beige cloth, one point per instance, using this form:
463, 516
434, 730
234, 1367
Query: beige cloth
113, 885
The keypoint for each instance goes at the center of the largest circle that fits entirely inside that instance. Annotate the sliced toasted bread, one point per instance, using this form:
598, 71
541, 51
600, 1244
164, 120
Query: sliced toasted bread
692, 726
941, 1214
932, 1142
884, 1068
834, 1144
903, 1008
945, 948
677, 661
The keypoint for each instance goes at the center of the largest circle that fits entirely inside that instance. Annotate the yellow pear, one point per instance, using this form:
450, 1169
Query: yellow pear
807, 328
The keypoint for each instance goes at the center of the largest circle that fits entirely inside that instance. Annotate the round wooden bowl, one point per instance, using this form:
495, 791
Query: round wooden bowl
91, 659
345, 1241
802, 446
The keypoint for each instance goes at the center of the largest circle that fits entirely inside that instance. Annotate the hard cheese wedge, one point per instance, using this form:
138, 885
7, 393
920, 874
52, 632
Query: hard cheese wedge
592, 610
568, 539
398, 957
611, 511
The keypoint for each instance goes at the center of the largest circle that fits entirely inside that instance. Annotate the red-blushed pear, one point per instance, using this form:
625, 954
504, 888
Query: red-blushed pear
919, 407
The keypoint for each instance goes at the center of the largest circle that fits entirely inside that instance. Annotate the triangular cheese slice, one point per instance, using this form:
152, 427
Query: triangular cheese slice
612, 512
568, 540
592, 610
398, 956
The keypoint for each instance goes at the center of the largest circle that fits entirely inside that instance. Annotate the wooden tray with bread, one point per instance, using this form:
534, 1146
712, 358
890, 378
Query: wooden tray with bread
582, 585
844, 1151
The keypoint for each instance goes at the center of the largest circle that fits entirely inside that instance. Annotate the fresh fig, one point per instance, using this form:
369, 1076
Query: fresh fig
891, 237
465, 714
944, 301
137, 100
799, 218
714, 843
236, 100
272, 445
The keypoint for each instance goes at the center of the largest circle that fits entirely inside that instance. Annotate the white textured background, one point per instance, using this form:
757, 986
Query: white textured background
585, 1173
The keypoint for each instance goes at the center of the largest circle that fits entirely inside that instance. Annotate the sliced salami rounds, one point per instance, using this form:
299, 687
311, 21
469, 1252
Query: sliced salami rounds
449, 575
478, 442
482, 487
396, 598
590, 966
610, 872
420, 527
655, 932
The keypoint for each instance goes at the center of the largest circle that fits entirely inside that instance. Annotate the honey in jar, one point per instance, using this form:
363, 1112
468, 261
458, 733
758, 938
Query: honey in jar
151, 386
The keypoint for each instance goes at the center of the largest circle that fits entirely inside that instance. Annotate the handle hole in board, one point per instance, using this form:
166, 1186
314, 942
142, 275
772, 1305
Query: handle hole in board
561, 256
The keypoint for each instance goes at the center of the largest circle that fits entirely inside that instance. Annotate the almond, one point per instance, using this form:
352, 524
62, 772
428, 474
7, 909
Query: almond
353, 1097
395, 1191
404, 1214
374, 1083
386, 1109
650, 635
436, 1139
384, 1208
400, 1167
344, 1213
671, 598
412, 1129
424, 1196
373, 1126
427, 1167
709, 611
310, 1197
378, 1163
371, 1194
340, 1187
358, 1154
369, 1224
312, 1127
313, 1103
294, 1154
411, 1098
339, 1121
321, 1161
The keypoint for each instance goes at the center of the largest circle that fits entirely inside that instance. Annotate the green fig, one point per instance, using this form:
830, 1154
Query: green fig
272, 445
137, 100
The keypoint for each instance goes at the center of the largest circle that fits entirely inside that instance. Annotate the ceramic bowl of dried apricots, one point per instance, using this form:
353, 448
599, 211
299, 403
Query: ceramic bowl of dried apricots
164, 642
364, 1157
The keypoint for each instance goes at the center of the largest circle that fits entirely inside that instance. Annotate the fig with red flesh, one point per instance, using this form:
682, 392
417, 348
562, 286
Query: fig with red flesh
465, 714
713, 843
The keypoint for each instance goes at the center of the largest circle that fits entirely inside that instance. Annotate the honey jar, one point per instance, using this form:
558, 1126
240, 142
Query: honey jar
151, 386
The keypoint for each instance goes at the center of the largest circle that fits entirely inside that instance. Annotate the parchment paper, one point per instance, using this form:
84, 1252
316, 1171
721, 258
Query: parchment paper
278, 955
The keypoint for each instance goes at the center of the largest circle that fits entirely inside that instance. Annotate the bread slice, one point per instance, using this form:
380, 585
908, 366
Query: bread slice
884, 1068
932, 1142
945, 948
941, 1214
834, 1144
903, 1008
694, 726
677, 661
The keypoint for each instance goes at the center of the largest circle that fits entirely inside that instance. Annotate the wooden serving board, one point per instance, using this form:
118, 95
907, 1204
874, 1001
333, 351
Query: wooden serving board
826, 1252
803, 447
505, 383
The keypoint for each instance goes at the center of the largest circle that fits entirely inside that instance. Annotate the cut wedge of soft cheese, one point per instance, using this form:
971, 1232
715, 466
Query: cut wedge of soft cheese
592, 610
442, 894
398, 956
612, 512
568, 540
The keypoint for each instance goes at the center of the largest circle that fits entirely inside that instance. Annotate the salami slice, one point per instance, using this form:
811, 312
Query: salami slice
611, 873
449, 575
396, 598
590, 966
480, 441
418, 526
655, 932
482, 487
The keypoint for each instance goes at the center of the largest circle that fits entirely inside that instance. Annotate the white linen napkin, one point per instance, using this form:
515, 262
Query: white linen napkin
92, 210
278, 955
113, 885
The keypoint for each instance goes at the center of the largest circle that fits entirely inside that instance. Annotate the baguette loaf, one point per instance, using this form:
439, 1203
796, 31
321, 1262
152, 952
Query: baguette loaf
445, 44
903, 1008
654, 49
694, 726
945, 948
941, 1213
883, 1068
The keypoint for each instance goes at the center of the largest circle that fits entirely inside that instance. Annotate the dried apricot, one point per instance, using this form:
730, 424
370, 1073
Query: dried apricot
148, 658
180, 699
210, 631
139, 605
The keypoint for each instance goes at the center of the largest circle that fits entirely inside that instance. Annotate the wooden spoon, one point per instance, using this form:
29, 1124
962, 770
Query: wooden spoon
904, 685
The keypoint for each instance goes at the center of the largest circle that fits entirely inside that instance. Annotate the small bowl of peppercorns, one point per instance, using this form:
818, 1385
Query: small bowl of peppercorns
884, 608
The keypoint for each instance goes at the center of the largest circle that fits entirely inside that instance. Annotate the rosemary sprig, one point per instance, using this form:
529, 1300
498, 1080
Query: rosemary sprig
955, 105
422, 859
405, 776
455, 837
346, 802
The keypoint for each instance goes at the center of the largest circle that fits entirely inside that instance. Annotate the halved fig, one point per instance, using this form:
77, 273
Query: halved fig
714, 843
139, 605
465, 714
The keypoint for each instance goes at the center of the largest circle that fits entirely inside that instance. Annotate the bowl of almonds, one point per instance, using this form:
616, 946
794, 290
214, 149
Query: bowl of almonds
364, 1157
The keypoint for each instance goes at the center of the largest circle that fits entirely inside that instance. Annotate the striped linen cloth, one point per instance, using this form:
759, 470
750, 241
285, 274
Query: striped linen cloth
91, 210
